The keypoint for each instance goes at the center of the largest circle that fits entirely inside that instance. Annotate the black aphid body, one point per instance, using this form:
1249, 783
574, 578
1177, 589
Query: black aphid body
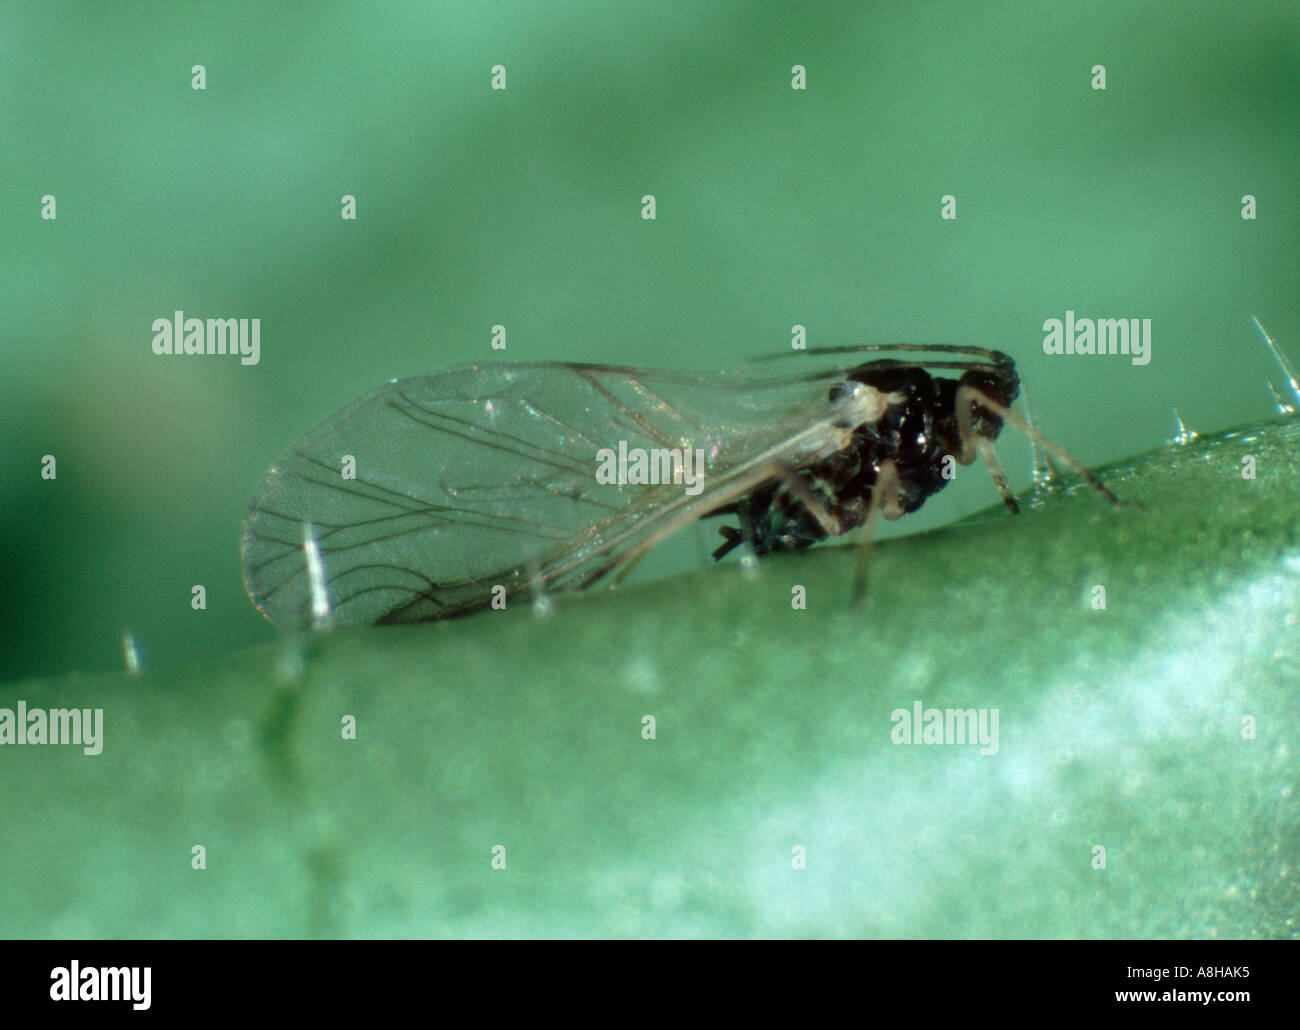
918, 432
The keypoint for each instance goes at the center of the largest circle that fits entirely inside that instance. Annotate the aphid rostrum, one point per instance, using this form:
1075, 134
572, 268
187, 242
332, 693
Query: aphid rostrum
424, 497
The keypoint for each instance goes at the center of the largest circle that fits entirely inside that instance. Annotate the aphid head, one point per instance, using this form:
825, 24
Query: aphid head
1001, 386
960, 417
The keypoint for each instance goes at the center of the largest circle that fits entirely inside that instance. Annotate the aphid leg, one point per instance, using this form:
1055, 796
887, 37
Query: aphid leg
972, 442
791, 481
884, 498
726, 501
732, 538
1043, 469
969, 396
985, 446
735, 537
808, 499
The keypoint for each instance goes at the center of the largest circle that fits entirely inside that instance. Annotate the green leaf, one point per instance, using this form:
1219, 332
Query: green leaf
1162, 728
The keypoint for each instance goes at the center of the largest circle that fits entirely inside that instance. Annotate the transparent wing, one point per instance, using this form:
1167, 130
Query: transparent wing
485, 475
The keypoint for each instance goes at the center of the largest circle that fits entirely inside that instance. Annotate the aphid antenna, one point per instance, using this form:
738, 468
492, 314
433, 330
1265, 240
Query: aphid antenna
989, 357
1284, 363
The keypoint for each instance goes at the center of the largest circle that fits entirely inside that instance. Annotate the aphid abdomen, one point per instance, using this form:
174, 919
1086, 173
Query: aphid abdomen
783, 523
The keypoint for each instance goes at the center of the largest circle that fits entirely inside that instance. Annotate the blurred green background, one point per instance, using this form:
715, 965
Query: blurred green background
522, 207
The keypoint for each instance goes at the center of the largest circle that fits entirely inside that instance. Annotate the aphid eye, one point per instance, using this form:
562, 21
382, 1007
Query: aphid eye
986, 422
995, 387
